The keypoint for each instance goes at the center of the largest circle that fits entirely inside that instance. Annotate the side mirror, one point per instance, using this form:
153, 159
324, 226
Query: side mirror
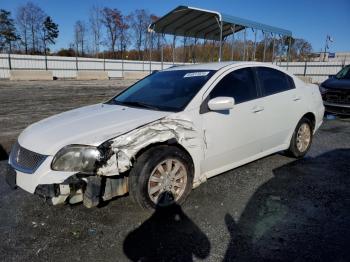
221, 103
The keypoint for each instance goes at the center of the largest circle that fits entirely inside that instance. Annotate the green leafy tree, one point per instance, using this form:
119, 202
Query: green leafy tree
8, 32
50, 31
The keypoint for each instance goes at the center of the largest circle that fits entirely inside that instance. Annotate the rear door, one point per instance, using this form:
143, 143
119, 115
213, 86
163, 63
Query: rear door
282, 106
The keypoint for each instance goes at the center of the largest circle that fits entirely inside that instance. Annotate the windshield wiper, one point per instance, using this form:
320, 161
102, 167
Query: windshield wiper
138, 104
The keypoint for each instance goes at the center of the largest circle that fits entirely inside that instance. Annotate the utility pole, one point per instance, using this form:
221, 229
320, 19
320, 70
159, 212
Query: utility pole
325, 49
326, 46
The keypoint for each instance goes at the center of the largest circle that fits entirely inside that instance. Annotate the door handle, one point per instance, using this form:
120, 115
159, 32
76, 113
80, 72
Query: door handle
296, 98
257, 109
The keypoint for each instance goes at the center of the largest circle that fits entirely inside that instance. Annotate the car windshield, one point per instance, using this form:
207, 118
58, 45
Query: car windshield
164, 91
344, 73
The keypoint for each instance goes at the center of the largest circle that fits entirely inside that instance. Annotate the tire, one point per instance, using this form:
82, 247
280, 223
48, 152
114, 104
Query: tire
150, 171
298, 149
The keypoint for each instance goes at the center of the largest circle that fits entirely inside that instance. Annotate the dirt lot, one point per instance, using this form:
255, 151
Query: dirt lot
25, 102
274, 209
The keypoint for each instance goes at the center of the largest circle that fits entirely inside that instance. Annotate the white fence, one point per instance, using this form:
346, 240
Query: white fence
318, 71
67, 67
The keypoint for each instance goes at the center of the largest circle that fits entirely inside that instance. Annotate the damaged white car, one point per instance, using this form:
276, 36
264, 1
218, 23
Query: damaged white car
167, 134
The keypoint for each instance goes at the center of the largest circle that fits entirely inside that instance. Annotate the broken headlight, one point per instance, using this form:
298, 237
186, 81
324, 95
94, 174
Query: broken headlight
76, 158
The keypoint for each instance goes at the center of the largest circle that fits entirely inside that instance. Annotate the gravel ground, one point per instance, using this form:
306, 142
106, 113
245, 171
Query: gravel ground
274, 209
25, 102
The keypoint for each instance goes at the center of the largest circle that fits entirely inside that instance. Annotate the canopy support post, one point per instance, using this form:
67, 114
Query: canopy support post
161, 52
184, 49
282, 49
273, 48
233, 28
220, 42
264, 54
174, 39
288, 55
150, 52
245, 43
220, 50
254, 53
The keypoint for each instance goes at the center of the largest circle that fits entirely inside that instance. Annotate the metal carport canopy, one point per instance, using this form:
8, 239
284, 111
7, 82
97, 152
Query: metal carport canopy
206, 24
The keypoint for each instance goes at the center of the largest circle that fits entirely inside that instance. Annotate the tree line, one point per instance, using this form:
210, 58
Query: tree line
108, 33
31, 32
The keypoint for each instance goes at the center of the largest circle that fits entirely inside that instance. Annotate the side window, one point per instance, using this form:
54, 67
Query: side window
239, 84
273, 81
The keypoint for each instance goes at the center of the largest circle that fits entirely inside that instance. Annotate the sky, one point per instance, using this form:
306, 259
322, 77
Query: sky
308, 19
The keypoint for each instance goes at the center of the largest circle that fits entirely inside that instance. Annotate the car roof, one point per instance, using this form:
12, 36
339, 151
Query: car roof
215, 66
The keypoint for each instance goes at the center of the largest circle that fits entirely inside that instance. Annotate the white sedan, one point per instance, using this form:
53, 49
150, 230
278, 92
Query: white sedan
167, 134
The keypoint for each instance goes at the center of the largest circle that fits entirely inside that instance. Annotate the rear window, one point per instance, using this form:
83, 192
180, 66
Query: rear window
273, 81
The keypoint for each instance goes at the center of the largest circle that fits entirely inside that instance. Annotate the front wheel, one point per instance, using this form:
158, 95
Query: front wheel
301, 139
160, 177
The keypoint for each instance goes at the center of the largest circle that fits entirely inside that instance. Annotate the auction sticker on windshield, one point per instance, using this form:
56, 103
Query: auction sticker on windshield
196, 74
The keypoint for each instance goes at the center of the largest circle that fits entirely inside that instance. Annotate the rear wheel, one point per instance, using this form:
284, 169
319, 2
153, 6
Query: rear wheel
161, 176
302, 138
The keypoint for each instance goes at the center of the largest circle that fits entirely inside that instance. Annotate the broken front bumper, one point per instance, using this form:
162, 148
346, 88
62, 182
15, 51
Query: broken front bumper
44, 182
46, 191
44, 175
60, 187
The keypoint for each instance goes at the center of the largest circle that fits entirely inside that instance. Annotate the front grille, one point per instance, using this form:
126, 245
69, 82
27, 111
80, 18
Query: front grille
25, 160
338, 110
337, 97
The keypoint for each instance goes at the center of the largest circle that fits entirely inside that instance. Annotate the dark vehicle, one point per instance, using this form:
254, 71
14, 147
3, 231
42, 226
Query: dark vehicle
336, 92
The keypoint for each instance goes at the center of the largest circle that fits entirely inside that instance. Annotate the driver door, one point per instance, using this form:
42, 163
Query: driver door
233, 136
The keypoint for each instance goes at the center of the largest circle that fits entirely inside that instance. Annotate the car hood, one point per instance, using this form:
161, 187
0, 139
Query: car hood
90, 125
333, 83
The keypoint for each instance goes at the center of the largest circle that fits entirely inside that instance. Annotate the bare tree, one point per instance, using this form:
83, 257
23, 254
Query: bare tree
80, 36
30, 19
301, 49
156, 38
151, 36
123, 34
22, 20
139, 21
95, 21
111, 18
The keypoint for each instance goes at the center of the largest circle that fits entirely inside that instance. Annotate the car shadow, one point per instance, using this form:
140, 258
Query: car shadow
301, 214
168, 235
